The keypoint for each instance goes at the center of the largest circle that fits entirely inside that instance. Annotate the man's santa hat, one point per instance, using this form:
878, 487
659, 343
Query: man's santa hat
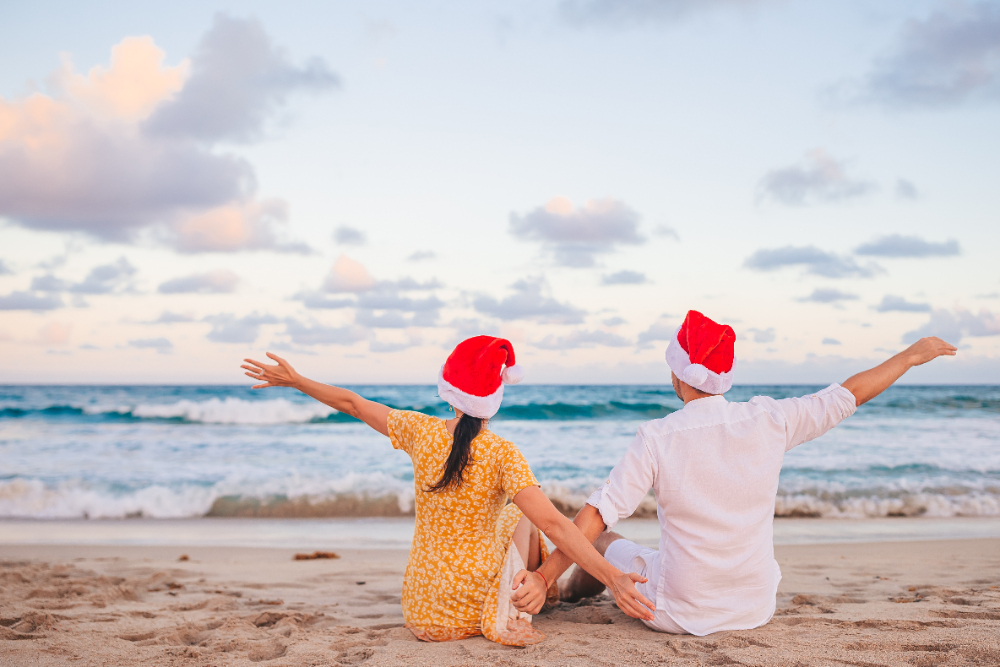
702, 355
474, 374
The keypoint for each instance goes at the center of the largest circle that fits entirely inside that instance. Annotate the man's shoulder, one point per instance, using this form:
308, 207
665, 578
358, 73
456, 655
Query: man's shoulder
682, 420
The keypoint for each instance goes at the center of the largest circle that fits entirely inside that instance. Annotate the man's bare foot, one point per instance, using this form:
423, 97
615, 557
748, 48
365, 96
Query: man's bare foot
580, 585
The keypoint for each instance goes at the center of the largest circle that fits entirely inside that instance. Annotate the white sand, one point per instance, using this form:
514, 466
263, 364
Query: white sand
896, 603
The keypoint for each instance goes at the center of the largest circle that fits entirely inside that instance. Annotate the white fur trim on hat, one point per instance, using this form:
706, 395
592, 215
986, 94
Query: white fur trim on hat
512, 374
483, 407
696, 375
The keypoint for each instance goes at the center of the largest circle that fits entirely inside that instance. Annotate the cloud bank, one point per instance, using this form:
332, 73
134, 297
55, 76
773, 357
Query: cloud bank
949, 58
129, 150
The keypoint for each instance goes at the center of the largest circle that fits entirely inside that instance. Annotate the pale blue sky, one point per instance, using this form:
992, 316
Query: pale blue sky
820, 175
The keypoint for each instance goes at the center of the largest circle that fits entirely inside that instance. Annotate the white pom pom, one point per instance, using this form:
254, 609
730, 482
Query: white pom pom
695, 375
512, 374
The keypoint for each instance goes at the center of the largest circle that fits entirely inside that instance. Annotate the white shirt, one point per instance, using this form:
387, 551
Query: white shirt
713, 467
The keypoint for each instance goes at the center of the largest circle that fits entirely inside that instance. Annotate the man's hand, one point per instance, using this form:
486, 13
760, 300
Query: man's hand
628, 599
529, 592
280, 375
926, 349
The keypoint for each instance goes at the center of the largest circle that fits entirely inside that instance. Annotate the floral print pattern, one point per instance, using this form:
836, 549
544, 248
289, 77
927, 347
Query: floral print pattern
462, 534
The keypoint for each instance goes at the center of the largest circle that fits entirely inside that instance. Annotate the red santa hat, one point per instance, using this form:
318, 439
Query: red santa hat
474, 374
702, 355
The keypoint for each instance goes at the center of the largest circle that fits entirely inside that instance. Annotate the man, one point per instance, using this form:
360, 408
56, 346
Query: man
713, 467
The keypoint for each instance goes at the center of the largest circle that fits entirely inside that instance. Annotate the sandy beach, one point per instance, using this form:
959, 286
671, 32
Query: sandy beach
893, 603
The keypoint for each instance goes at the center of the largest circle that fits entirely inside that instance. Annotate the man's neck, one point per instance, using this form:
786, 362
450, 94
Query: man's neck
692, 394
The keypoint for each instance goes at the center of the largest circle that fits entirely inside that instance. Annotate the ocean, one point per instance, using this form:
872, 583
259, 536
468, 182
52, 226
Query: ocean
176, 452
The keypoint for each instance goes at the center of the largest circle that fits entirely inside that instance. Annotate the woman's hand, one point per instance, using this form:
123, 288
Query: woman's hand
280, 375
628, 599
530, 592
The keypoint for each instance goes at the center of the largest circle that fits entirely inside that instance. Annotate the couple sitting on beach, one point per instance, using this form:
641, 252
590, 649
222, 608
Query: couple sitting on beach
478, 564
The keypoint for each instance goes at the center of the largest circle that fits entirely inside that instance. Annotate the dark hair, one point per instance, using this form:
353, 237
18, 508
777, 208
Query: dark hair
466, 431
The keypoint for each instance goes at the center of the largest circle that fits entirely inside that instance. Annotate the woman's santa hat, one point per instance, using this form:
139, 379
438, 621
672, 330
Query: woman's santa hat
474, 374
702, 355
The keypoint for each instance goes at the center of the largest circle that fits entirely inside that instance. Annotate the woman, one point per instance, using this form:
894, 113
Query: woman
461, 568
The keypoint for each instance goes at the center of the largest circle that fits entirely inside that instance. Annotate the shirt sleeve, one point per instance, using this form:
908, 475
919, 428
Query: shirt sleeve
627, 485
515, 473
809, 417
401, 426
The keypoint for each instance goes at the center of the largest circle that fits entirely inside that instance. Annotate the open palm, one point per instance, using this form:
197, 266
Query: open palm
279, 375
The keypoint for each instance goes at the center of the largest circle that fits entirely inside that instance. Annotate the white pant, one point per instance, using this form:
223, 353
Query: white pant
630, 557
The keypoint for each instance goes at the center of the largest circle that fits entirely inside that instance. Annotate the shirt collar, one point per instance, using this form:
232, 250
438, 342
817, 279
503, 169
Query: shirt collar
706, 403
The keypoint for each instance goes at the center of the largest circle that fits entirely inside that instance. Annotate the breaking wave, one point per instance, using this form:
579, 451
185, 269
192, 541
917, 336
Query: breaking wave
383, 496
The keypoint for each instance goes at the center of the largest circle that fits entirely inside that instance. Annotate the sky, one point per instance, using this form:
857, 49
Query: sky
359, 186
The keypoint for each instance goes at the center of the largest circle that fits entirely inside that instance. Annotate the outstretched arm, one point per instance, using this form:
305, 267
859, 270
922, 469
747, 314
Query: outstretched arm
867, 385
541, 512
282, 374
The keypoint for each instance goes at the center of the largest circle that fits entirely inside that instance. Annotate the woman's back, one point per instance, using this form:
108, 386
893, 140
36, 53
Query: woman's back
460, 536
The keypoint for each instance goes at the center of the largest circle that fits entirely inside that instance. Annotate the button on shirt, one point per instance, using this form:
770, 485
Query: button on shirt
713, 467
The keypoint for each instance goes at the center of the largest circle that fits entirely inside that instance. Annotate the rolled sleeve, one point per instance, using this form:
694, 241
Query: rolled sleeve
627, 485
809, 417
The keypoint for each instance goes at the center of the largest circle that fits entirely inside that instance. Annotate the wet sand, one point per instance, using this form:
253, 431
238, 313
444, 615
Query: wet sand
892, 603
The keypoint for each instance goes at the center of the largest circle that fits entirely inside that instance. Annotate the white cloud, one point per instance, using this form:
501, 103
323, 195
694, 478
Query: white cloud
319, 334
161, 345
581, 338
168, 317
349, 236
219, 281
530, 301
906, 190
30, 301
948, 58
828, 295
892, 303
54, 333
953, 325
574, 235
762, 335
106, 279
127, 152
815, 261
624, 278
227, 328
897, 245
818, 178
348, 275
663, 329
238, 80
636, 12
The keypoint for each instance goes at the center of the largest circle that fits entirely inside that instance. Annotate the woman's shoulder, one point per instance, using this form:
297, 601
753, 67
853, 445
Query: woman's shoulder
407, 427
412, 417
496, 443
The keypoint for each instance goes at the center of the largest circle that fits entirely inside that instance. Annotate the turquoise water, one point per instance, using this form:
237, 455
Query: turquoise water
176, 452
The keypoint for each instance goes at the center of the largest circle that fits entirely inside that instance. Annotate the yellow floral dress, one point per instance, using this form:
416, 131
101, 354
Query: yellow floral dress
463, 535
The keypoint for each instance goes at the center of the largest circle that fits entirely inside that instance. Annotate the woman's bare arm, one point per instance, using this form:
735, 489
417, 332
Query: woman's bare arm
541, 512
282, 374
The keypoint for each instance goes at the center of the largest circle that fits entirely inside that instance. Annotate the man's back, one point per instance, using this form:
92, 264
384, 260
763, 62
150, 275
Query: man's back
713, 468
